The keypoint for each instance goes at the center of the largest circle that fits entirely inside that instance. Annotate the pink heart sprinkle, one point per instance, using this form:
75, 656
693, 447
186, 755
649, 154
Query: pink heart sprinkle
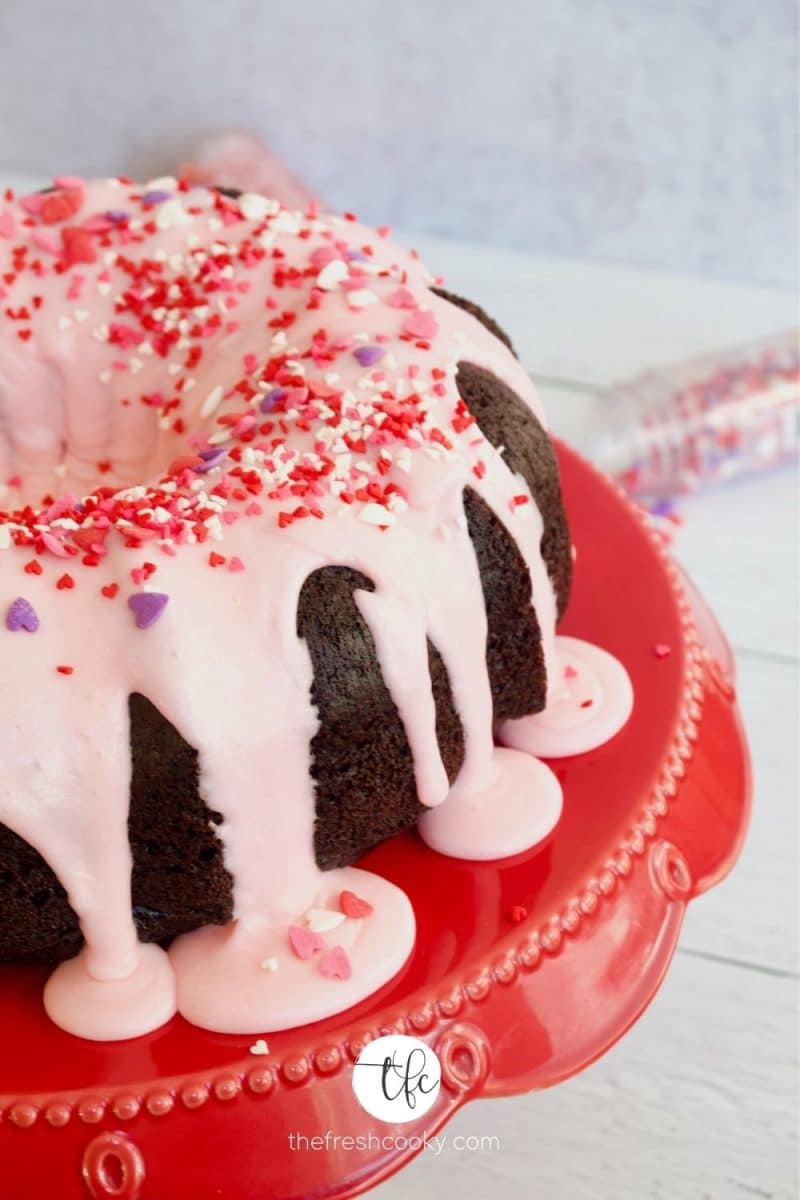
321, 257
336, 964
662, 650
570, 672
54, 545
45, 241
33, 204
401, 298
305, 942
236, 564
421, 324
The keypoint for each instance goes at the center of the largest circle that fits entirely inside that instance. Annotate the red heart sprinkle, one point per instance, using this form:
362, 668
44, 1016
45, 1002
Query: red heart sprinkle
336, 964
305, 942
56, 208
353, 906
78, 245
517, 913
662, 650
110, 590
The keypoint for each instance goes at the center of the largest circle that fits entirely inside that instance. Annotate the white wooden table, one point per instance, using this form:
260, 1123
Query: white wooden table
699, 1100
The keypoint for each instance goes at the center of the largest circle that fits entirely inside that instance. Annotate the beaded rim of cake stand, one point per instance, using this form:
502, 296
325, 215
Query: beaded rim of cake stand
520, 956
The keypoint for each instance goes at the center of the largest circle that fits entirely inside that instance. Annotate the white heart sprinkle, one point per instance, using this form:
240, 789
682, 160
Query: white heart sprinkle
320, 920
259, 1047
267, 964
170, 214
361, 298
332, 274
376, 514
254, 207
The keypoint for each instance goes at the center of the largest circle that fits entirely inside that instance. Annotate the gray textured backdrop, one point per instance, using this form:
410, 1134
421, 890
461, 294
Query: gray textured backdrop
658, 132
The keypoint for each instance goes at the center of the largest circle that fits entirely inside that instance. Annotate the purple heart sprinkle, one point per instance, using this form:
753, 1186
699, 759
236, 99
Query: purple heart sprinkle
272, 398
117, 215
147, 607
213, 457
22, 615
155, 197
356, 256
369, 355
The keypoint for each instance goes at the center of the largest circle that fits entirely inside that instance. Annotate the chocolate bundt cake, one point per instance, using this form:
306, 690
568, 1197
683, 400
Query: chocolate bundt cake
278, 509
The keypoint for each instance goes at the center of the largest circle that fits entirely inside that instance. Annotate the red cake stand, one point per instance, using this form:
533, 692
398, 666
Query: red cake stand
651, 819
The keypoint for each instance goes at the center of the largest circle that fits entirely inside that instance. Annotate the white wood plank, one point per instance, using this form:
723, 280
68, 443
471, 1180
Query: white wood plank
698, 1102
570, 410
752, 915
738, 542
740, 545
596, 323
745, 565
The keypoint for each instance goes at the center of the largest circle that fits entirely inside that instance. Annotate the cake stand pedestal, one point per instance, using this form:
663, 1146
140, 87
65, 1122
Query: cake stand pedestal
510, 1001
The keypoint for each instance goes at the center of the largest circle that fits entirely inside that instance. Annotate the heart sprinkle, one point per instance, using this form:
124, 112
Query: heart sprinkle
321, 920
22, 615
259, 1047
335, 964
662, 650
353, 906
421, 324
368, 356
305, 942
147, 607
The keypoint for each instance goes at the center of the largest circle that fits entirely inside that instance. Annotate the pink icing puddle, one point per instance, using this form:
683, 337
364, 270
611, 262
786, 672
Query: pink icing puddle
592, 703
516, 810
112, 1009
246, 977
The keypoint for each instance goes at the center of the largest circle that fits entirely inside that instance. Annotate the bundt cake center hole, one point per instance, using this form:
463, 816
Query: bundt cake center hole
59, 473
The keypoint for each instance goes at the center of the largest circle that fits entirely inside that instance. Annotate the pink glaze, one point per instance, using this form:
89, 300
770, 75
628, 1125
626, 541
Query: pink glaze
517, 809
592, 702
224, 984
115, 1009
136, 344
